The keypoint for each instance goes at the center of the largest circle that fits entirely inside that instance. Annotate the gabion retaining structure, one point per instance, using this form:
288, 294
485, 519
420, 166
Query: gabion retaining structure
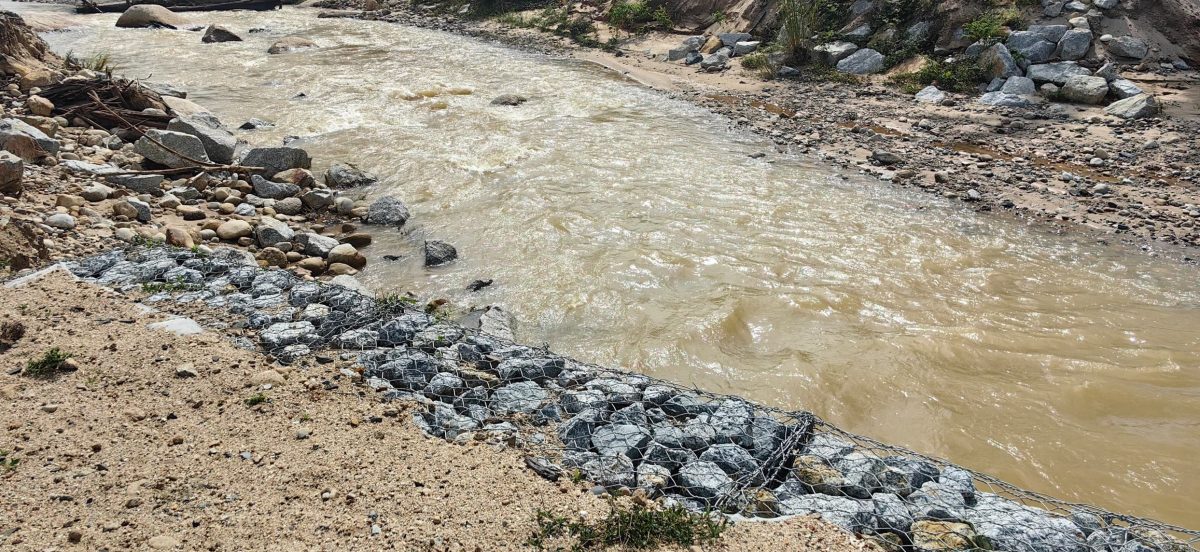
625, 431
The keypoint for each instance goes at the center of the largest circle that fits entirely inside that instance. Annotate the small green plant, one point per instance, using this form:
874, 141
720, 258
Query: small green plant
638, 526
515, 20
101, 62
960, 75
991, 24
172, 286
256, 399
636, 15
760, 64
49, 364
7, 462
718, 17
576, 476
305, 417
393, 301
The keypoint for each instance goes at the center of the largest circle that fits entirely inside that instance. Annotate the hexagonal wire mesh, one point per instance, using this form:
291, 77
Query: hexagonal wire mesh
704, 451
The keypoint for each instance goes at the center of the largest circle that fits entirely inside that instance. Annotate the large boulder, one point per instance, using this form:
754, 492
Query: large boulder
271, 231
998, 63
1032, 46
345, 175
387, 211
150, 15
273, 190
438, 253
930, 94
831, 53
171, 149
1056, 72
1123, 88
217, 141
862, 62
217, 33
1020, 86
1137, 107
1052, 33
1074, 44
25, 140
11, 170
274, 160
1128, 47
1085, 89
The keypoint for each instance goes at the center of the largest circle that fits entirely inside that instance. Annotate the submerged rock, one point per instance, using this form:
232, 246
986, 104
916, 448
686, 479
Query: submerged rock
438, 253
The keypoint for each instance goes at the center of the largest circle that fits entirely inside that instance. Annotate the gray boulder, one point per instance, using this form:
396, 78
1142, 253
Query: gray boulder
1012, 526
217, 141
1074, 44
438, 253
1084, 89
16, 128
12, 168
1128, 47
177, 149
345, 175
150, 15
139, 183
714, 62
387, 211
1136, 107
1052, 33
318, 199
1057, 72
931, 95
274, 160
626, 439
736, 461
862, 62
217, 33
1105, 4
745, 47
1020, 86
316, 245
1123, 88
614, 471
731, 39
519, 398
831, 53
273, 190
997, 62
1032, 46
271, 231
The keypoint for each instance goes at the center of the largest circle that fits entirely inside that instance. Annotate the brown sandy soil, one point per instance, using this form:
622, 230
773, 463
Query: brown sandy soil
125, 454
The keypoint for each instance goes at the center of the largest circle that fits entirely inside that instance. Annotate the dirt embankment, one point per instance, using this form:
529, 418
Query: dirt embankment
151, 444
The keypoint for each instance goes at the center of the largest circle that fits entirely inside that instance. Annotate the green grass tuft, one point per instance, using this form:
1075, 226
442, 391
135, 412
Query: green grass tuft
256, 399
960, 75
634, 527
991, 24
50, 364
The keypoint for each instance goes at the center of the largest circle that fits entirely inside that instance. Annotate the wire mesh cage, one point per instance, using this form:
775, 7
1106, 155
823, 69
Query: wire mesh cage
624, 431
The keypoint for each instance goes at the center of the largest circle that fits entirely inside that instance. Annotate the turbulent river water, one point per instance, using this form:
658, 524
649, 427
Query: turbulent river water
626, 228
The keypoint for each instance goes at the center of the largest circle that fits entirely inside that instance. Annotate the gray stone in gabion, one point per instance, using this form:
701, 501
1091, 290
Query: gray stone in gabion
668, 435
618, 393
1128, 47
291, 353
345, 175
575, 402
857, 516
731, 422
997, 62
861, 473
576, 432
903, 476
958, 480
183, 275
612, 471
304, 293
1052, 33
767, 438
1012, 526
737, 462
634, 414
698, 433
356, 339
653, 478
284, 334
519, 398
862, 62
275, 160
667, 457
444, 384
1032, 46
316, 245
934, 501
828, 447
387, 211
181, 150
891, 513
536, 369
273, 190
627, 439
314, 312
218, 143
411, 372
403, 329
450, 423
1074, 44
685, 404
1056, 72
1086, 522
1020, 86
704, 480
271, 231
658, 394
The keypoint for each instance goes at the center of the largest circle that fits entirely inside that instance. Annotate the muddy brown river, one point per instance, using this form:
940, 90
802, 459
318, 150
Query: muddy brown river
625, 228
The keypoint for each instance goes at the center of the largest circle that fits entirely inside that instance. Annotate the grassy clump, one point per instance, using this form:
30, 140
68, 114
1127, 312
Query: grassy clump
960, 75
991, 24
636, 527
100, 62
49, 364
256, 399
7, 462
637, 15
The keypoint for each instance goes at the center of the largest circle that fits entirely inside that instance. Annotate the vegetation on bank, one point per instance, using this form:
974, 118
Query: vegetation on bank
637, 526
51, 363
958, 75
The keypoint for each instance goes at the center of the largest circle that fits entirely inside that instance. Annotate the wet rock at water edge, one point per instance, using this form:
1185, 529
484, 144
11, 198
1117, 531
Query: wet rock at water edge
172, 149
477, 285
255, 124
387, 211
509, 100
150, 15
217, 33
290, 44
345, 175
218, 143
274, 160
438, 253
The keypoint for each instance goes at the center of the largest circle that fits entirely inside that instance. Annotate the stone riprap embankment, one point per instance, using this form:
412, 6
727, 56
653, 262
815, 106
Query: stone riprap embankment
625, 432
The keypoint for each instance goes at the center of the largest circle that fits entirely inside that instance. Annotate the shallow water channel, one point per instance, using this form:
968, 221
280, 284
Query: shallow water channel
626, 228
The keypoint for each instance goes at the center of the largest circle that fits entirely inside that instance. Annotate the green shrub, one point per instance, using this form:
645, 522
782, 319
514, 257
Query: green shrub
636, 15
991, 24
960, 75
635, 527
50, 364
256, 399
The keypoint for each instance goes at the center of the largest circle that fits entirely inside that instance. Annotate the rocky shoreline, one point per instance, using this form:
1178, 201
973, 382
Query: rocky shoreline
1070, 169
622, 431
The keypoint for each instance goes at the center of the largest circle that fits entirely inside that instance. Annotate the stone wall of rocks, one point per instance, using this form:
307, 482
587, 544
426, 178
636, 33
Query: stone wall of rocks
623, 432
